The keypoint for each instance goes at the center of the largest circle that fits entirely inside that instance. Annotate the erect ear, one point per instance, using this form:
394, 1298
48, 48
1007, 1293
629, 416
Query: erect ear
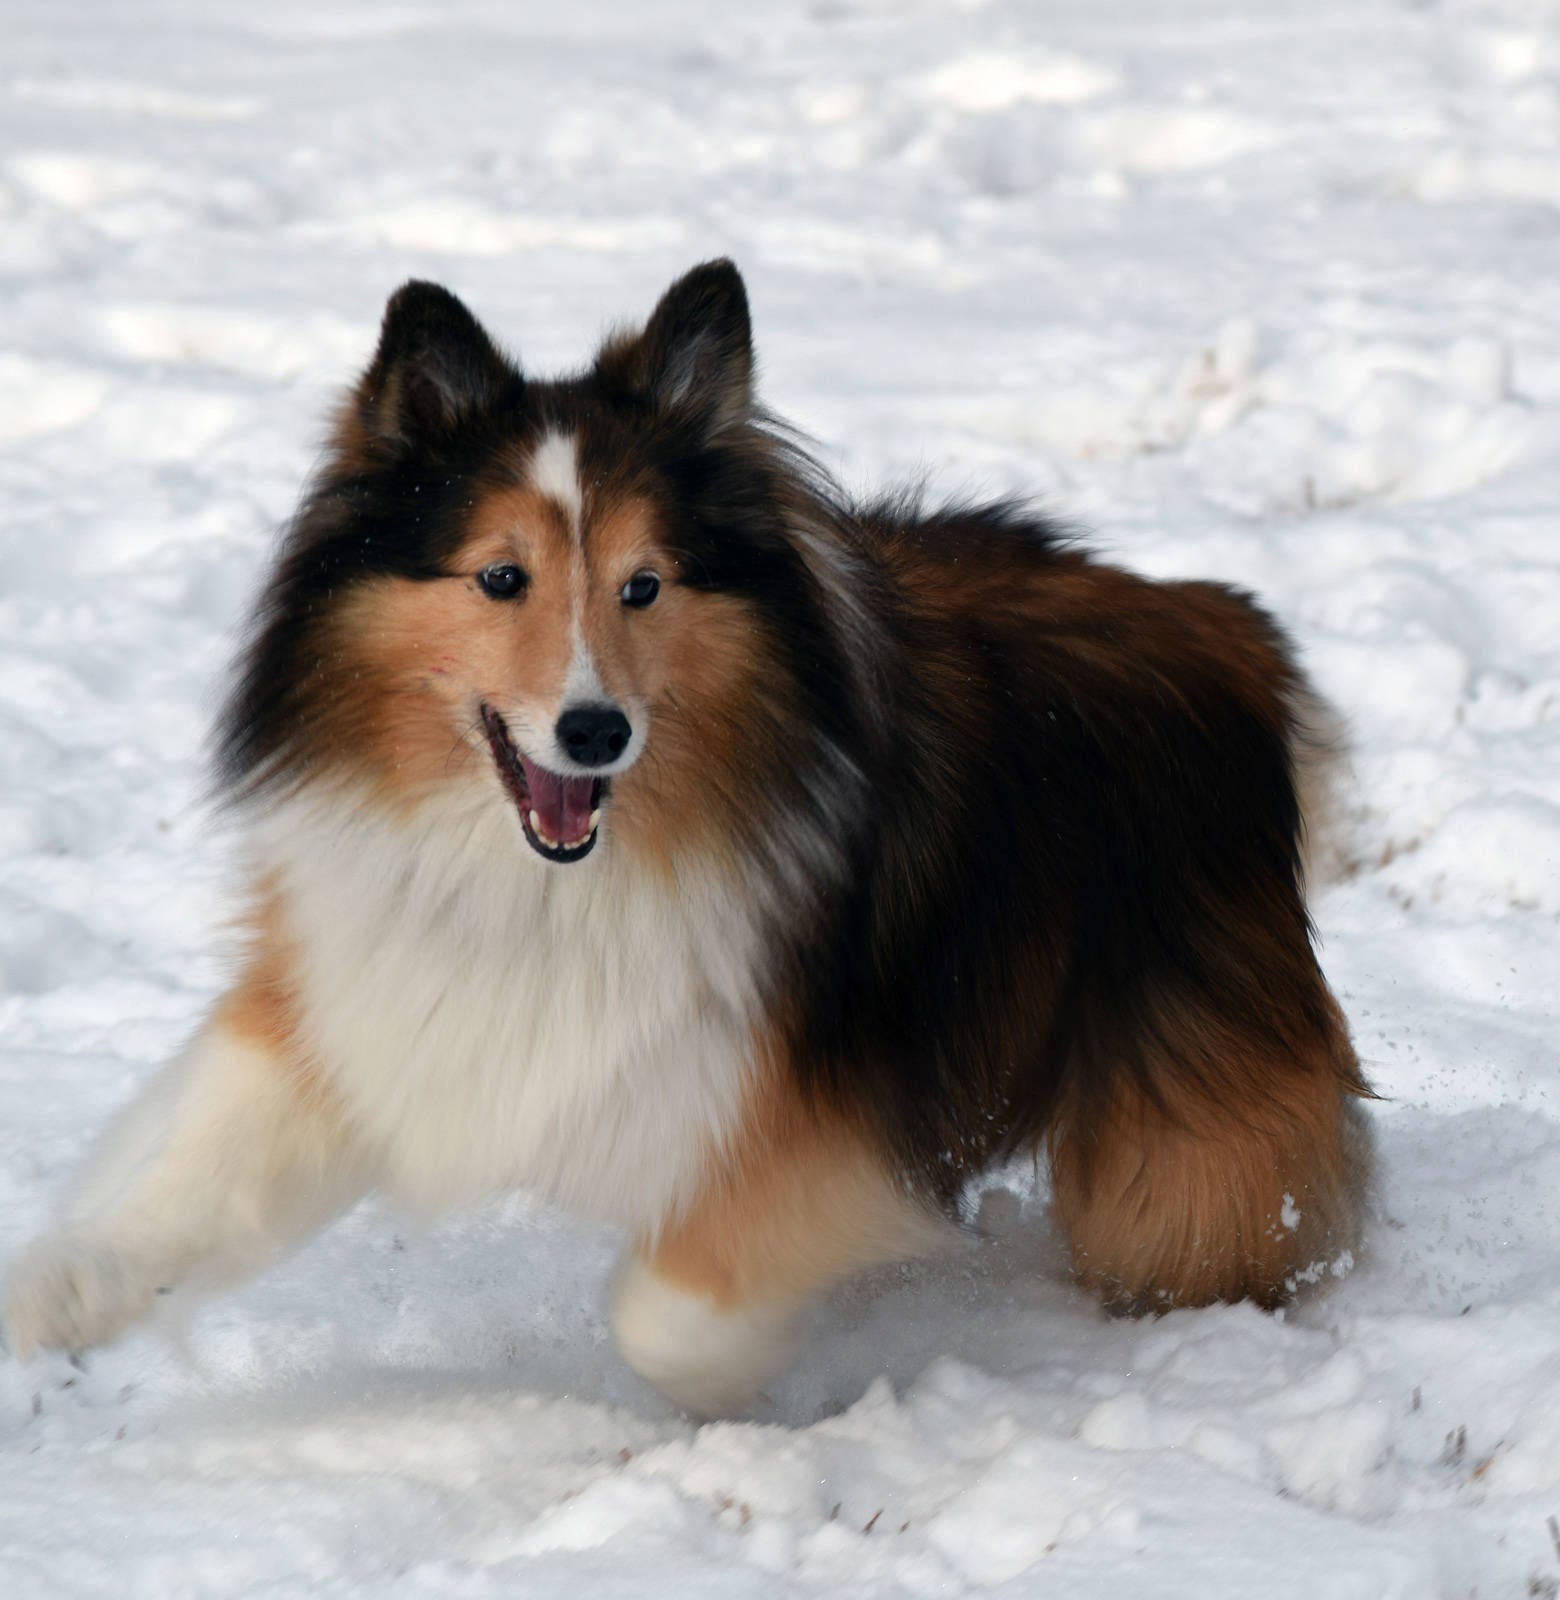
694, 360
435, 369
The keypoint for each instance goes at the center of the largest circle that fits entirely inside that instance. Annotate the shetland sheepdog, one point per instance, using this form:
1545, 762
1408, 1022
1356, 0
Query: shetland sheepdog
634, 817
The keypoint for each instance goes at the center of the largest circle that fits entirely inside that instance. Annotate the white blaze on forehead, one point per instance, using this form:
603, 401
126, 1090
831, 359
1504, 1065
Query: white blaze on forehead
555, 473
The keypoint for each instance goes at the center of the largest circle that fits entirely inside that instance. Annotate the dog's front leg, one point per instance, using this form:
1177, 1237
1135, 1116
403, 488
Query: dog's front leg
227, 1157
707, 1310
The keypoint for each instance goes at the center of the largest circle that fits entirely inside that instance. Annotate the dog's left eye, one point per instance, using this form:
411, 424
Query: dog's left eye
641, 589
502, 582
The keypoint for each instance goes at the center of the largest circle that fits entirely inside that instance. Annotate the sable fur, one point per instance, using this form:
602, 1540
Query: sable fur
978, 845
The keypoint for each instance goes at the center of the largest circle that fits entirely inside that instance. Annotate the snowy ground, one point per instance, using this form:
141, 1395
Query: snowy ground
1261, 290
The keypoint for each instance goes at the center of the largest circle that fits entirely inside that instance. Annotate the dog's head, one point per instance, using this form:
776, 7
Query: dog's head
580, 599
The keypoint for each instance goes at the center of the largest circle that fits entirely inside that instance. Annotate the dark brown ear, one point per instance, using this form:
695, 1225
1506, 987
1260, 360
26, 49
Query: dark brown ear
434, 371
694, 360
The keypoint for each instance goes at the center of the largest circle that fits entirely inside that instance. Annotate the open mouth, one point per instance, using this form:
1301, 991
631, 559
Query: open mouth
559, 816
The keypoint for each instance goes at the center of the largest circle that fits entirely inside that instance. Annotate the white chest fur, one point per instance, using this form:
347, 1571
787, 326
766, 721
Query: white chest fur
489, 1021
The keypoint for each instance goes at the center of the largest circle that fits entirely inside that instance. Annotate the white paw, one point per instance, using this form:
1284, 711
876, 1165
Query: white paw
69, 1293
710, 1360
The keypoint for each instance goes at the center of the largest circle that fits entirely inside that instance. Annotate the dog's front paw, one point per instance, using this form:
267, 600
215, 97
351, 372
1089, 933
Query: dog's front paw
711, 1360
70, 1293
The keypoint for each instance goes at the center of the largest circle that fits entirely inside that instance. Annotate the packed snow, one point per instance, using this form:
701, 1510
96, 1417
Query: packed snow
1259, 291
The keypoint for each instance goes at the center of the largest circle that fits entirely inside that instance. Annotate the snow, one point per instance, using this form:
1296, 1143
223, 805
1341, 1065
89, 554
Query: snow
1258, 291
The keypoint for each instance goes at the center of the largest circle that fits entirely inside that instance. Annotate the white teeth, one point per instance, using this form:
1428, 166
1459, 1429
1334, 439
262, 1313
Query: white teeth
546, 839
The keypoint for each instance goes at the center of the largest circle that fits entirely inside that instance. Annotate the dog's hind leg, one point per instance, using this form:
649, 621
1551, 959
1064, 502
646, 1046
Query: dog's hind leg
227, 1157
706, 1312
1180, 1197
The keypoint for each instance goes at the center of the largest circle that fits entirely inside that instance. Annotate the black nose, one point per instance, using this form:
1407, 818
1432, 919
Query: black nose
593, 736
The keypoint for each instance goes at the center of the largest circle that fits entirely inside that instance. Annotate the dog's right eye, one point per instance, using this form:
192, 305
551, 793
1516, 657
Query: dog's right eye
502, 582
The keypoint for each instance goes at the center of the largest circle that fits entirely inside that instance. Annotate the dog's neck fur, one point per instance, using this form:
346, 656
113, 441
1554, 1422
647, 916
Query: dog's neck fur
486, 1020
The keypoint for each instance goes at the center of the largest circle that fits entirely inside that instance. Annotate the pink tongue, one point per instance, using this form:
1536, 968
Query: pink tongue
563, 804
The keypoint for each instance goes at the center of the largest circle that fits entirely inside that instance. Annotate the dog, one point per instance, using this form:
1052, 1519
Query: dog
633, 817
